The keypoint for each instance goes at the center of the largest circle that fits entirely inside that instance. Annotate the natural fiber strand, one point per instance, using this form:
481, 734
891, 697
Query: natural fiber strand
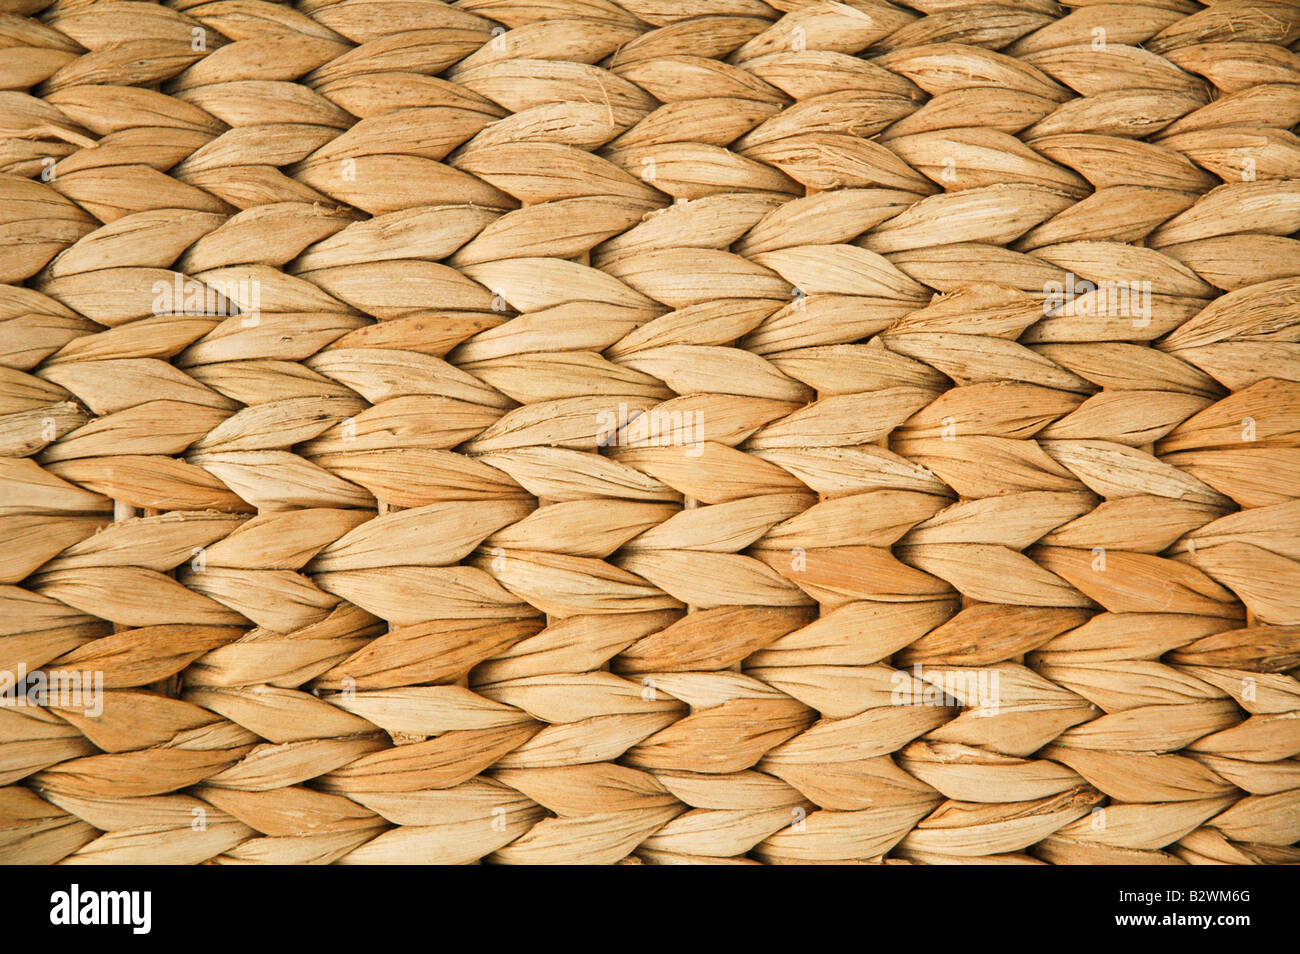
633, 431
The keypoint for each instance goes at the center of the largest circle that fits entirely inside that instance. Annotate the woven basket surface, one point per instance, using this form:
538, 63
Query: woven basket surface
649, 431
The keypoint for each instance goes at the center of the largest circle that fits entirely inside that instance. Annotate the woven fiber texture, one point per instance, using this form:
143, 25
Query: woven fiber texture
649, 431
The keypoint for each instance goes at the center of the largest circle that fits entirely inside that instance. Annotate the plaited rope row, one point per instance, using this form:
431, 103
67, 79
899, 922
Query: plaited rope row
569, 431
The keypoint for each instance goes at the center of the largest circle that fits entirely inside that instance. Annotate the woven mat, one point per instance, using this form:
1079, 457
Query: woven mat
649, 431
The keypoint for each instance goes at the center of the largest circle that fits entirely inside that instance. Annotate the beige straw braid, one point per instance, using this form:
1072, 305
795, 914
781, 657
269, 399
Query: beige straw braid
650, 431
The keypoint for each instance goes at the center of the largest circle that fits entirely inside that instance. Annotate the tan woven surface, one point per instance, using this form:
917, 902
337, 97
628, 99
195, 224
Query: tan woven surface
650, 431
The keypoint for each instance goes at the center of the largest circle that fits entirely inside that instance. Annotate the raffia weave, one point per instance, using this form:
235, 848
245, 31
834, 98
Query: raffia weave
651, 431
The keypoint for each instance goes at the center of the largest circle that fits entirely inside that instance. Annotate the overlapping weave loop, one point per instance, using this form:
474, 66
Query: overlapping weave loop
652, 431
